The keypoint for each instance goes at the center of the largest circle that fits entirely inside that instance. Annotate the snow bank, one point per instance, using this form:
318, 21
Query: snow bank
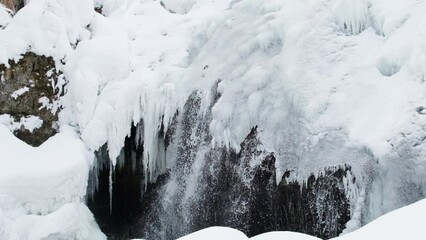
216, 233
404, 223
5, 16
42, 189
71, 221
43, 179
229, 233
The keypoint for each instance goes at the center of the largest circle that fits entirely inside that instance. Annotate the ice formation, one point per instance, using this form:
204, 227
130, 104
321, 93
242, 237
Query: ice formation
402, 223
328, 83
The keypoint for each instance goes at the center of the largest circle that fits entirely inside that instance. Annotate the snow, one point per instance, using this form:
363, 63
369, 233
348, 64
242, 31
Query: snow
19, 92
405, 223
42, 190
216, 233
71, 221
30, 122
327, 82
5, 16
46, 27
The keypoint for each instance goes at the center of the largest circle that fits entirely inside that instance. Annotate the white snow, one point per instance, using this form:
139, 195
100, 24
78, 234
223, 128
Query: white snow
30, 122
19, 92
71, 221
404, 223
328, 82
42, 189
5, 16
46, 27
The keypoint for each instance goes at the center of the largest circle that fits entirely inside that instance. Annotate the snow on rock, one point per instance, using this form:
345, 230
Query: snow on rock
43, 179
19, 92
29, 123
42, 189
47, 27
5, 16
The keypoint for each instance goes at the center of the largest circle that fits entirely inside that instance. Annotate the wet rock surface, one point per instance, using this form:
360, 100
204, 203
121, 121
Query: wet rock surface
317, 207
216, 186
116, 205
28, 88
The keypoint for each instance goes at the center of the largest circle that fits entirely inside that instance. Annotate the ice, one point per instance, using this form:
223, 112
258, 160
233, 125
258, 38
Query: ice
327, 83
406, 222
352, 15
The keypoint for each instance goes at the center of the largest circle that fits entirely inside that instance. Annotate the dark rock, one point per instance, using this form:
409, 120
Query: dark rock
115, 215
13, 5
38, 73
218, 186
317, 207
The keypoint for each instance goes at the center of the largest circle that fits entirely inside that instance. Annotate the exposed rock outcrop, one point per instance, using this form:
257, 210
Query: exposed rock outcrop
28, 88
13, 5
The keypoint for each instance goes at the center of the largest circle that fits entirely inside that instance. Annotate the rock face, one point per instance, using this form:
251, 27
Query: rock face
318, 207
28, 88
215, 186
115, 205
13, 5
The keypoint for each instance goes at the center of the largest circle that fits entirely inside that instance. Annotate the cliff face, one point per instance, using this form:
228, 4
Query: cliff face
28, 92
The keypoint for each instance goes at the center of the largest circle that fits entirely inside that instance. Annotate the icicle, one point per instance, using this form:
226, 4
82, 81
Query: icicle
111, 168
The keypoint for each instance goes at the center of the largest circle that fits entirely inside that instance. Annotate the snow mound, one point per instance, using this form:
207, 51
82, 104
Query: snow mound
43, 179
229, 233
404, 223
178, 6
216, 233
5, 16
71, 221
42, 189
